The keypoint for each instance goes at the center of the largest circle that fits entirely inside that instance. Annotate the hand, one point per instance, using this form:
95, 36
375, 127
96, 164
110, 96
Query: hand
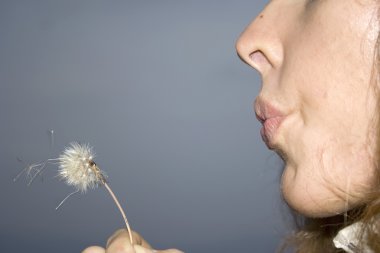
119, 243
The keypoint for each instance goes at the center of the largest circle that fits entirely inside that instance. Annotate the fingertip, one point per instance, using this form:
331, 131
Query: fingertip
114, 236
140, 249
94, 249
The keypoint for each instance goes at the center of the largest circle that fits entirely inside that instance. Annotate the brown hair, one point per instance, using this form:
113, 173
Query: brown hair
314, 235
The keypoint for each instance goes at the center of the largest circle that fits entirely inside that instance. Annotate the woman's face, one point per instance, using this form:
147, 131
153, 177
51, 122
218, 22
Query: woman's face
317, 102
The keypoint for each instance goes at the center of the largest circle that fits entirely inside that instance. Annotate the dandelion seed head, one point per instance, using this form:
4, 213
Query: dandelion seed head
77, 168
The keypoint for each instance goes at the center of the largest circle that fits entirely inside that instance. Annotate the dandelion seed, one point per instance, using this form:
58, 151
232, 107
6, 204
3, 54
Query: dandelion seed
78, 169
32, 171
51, 137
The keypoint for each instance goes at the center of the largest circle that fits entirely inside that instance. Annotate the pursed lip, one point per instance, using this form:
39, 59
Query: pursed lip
271, 119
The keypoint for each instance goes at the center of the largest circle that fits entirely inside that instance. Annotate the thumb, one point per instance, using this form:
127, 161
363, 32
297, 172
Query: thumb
140, 249
94, 249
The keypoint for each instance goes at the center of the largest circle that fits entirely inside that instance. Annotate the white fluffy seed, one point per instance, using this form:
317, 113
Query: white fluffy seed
77, 168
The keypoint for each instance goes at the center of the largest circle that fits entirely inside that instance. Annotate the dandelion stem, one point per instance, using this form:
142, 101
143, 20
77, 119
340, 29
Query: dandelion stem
121, 211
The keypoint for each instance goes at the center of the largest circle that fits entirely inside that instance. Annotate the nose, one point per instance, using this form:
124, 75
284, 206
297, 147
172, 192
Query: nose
260, 45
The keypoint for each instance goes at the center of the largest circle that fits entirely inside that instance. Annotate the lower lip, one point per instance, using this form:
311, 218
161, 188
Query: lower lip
269, 129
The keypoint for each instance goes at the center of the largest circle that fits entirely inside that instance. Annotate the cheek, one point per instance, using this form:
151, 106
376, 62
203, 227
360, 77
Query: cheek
321, 184
328, 144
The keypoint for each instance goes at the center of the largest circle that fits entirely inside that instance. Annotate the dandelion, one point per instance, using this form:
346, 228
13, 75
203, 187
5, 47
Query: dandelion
78, 169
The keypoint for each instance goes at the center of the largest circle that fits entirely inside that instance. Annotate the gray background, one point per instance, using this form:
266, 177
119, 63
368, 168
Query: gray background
157, 89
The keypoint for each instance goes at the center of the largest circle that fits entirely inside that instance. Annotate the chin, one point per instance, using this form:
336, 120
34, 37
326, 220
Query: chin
309, 198
311, 211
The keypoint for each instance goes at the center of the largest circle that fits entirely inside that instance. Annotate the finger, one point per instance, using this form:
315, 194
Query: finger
137, 238
94, 249
140, 249
119, 243
113, 237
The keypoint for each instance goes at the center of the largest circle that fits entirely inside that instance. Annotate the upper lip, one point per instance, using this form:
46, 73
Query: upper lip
264, 110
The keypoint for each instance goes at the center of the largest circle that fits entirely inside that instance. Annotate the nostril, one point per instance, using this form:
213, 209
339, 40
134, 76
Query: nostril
259, 60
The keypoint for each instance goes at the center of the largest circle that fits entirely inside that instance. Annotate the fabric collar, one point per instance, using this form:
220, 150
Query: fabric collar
349, 237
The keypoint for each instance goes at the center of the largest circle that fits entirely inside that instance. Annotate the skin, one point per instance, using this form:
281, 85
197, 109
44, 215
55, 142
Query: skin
315, 58
119, 243
316, 61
